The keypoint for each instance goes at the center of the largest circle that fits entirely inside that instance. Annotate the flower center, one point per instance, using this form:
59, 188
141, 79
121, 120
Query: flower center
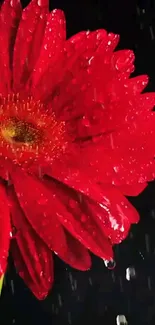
21, 132
29, 134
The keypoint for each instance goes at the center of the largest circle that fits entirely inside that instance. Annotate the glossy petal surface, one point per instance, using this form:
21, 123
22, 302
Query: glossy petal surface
75, 138
32, 257
4, 229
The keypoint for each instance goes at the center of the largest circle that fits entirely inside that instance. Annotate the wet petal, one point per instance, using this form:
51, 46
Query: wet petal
77, 256
39, 209
123, 61
32, 257
24, 263
52, 46
75, 178
4, 229
77, 221
28, 41
8, 30
137, 85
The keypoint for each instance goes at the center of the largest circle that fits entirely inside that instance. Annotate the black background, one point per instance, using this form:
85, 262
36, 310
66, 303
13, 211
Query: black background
98, 296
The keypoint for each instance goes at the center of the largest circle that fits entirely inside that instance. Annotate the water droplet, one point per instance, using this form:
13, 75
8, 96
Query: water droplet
141, 255
42, 3
85, 122
24, 15
12, 3
42, 201
13, 232
130, 273
121, 320
110, 264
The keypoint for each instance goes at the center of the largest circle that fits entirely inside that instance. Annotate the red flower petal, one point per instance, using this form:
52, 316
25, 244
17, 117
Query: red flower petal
52, 46
115, 218
41, 284
76, 178
74, 217
77, 255
28, 41
38, 206
123, 60
10, 13
137, 85
4, 229
32, 257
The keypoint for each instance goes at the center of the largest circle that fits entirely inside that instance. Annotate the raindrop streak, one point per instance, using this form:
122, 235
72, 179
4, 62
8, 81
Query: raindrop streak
152, 214
110, 264
60, 300
12, 287
113, 276
152, 33
69, 318
70, 278
90, 281
147, 243
121, 284
53, 308
141, 255
149, 283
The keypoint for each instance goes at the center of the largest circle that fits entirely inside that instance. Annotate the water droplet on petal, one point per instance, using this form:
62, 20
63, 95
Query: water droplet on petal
12, 3
110, 264
42, 201
13, 232
45, 46
24, 15
42, 3
85, 122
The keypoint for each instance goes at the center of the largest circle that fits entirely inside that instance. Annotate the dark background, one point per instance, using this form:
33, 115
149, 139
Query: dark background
98, 296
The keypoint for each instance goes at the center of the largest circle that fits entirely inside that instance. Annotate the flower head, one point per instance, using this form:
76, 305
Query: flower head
75, 138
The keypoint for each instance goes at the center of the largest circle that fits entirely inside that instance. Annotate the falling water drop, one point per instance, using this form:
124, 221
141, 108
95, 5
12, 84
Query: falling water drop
130, 273
121, 320
12, 287
110, 264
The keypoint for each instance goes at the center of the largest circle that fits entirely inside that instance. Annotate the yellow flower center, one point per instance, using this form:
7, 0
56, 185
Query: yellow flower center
29, 133
21, 132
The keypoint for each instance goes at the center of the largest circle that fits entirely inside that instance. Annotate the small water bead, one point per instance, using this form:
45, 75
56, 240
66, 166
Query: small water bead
43, 200
42, 3
13, 3
110, 264
13, 232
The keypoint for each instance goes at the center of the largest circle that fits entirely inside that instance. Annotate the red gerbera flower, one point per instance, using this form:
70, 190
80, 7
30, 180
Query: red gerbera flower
75, 137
